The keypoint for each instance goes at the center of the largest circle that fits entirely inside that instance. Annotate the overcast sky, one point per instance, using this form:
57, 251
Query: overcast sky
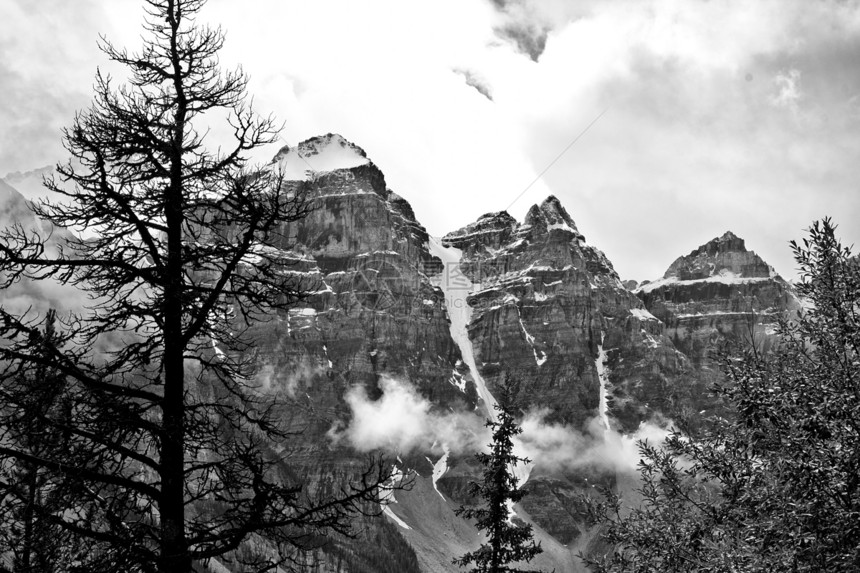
719, 115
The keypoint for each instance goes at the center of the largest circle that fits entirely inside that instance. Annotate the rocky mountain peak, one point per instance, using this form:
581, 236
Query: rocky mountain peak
546, 226
30, 183
728, 242
549, 215
726, 255
320, 154
555, 211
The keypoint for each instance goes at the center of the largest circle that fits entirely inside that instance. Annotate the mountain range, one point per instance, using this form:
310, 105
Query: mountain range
404, 339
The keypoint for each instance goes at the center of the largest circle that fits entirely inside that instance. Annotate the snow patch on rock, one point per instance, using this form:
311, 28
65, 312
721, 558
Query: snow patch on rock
724, 277
540, 357
387, 511
386, 496
642, 314
603, 377
439, 469
456, 287
319, 155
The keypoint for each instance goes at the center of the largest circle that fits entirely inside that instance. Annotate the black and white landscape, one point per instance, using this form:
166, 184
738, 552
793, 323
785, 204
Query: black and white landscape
595, 201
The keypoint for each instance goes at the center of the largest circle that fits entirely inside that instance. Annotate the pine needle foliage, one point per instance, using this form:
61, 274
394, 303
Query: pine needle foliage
508, 543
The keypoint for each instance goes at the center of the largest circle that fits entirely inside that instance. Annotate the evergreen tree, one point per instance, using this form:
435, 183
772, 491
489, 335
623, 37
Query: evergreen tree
507, 542
777, 487
174, 456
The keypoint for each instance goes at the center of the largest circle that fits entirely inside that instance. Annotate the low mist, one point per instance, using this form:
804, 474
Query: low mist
402, 421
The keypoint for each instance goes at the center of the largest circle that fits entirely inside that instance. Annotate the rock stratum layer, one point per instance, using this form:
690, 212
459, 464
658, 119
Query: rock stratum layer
439, 323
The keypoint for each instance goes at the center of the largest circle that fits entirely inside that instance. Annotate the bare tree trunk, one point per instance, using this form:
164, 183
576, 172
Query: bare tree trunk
174, 553
174, 549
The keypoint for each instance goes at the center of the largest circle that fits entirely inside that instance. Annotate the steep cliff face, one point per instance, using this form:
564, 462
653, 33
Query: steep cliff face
364, 252
371, 312
549, 309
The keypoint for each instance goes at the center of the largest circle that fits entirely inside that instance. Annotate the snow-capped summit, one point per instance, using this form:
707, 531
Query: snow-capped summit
319, 154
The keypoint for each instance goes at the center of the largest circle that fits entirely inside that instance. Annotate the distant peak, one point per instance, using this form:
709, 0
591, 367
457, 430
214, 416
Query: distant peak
320, 154
18, 176
726, 255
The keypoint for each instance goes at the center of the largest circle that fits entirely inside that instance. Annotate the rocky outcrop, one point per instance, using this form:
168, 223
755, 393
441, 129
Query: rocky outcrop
725, 254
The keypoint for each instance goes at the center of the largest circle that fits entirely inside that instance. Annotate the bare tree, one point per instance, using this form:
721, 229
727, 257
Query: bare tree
169, 454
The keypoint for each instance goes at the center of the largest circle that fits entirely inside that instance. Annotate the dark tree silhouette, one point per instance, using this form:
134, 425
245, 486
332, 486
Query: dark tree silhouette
777, 486
507, 542
169, 453
35, 543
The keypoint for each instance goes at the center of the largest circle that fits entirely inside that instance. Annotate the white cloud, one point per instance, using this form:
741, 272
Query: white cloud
402, 420
788, 90
555, 447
